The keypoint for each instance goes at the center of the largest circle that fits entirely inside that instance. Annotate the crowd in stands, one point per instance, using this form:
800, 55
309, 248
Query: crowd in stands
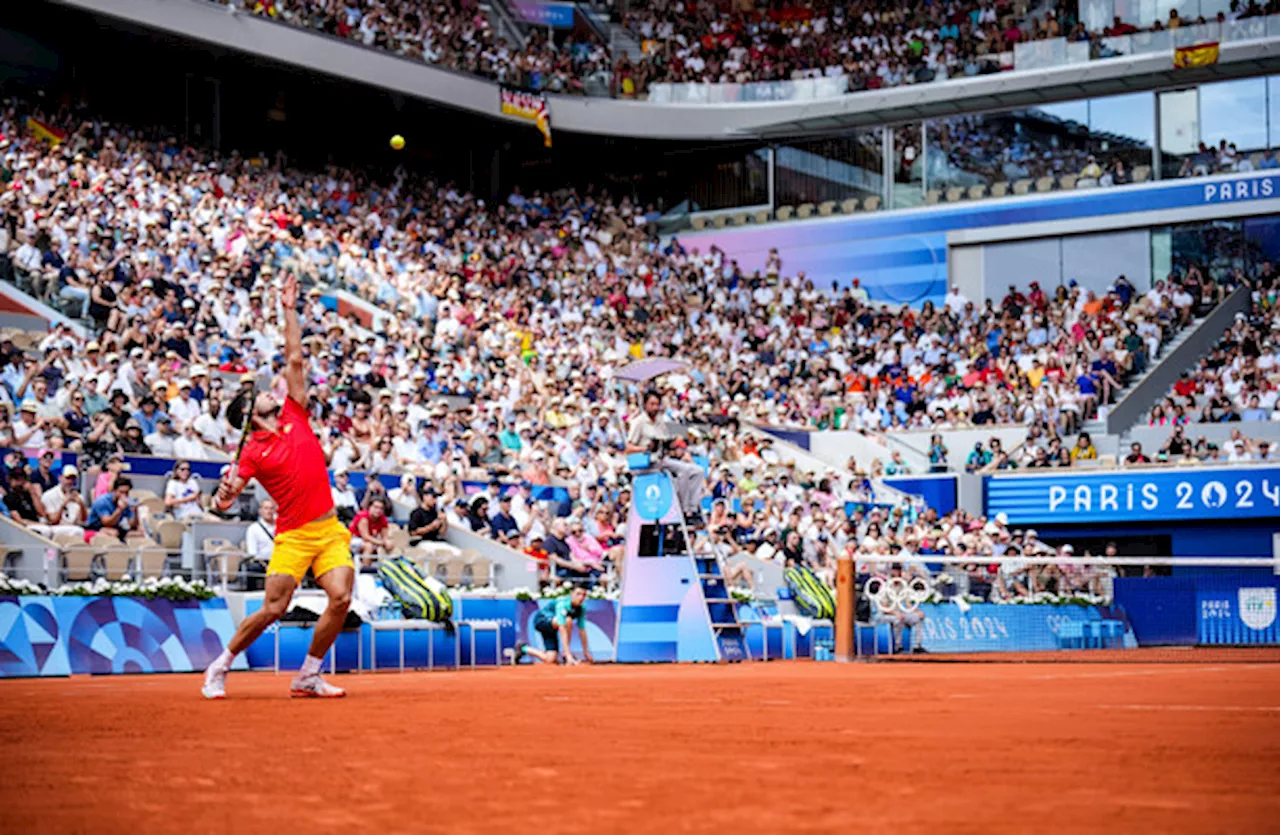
453, 33
498, 335
714, 41
1225, 159
1238, 380
1006, 148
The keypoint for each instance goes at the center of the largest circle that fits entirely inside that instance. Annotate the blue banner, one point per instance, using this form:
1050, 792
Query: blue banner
990, 627
58, 636
556, 15
1141, 496
938, 491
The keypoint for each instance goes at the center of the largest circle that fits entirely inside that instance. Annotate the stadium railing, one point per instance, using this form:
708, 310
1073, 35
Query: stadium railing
759, 91
1059, 52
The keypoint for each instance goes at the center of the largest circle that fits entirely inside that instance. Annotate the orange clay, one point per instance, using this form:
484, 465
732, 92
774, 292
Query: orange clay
780, 748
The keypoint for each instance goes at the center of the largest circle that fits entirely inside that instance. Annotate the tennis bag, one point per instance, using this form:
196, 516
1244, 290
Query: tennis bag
420, 597
811, 595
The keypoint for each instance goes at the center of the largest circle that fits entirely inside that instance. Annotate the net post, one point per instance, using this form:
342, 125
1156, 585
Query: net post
845, 607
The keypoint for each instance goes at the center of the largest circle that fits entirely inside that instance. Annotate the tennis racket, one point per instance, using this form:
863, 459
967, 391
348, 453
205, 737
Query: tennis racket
245, 423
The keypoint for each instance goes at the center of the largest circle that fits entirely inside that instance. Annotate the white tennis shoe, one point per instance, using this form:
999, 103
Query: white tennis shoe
314, 687
215, 683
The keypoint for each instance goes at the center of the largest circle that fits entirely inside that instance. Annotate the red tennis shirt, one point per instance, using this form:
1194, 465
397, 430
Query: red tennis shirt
290, 465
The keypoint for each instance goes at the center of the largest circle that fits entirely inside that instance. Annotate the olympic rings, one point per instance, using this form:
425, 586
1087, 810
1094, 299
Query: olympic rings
897, 594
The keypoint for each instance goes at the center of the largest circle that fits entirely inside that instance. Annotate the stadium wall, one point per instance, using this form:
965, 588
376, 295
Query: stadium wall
906, 256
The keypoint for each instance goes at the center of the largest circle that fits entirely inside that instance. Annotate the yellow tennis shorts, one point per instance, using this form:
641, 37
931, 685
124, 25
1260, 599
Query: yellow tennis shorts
319, 545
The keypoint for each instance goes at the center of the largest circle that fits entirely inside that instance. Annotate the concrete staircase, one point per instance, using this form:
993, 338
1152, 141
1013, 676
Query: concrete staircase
622, 41
1097, 426
503, 22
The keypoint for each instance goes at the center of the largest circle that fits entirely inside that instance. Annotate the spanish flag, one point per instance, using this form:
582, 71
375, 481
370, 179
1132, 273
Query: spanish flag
1200, 55
531, 106
46, 132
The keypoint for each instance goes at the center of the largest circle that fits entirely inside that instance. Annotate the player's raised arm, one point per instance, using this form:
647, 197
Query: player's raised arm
295, 372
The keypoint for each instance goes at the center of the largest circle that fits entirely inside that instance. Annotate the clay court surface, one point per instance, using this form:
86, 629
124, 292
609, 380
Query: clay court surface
775, 748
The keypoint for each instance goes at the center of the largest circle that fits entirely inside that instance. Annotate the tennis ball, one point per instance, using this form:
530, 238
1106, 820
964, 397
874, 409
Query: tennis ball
397, 142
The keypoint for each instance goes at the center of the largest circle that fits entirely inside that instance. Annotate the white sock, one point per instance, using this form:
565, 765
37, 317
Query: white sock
223, 661
311, 666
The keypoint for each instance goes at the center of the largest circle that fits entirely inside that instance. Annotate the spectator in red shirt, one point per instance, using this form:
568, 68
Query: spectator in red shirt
369, 532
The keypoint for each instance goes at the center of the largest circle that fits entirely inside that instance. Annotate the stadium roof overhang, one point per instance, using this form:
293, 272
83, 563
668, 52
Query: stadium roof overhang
201, 20
1013, 90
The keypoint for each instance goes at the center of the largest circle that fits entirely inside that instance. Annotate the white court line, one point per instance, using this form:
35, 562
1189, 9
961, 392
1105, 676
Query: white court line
1197, 708
687, 701
774, 702
1171, 670
555, 698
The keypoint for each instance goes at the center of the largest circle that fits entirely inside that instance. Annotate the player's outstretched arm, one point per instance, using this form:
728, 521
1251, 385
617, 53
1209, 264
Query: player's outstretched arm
295, 372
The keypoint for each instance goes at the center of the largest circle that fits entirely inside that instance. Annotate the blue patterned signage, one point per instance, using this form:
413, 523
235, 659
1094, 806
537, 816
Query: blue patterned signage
57, 636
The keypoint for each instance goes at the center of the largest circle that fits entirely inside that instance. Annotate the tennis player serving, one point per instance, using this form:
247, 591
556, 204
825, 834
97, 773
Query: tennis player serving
285, 457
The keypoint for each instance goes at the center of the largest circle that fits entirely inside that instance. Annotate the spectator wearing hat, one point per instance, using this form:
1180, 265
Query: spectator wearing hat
426, 522
44, 477
148, 414
29, 430
132, 441
503, 526
345, 501
65, 510
184, 409
161, 442
115, 410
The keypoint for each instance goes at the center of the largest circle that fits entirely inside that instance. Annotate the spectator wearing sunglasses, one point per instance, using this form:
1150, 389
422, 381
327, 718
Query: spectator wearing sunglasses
182, 493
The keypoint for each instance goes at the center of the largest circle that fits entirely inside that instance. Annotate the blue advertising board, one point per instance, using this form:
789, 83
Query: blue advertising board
990, 627
938, 491
1245, 614
1136, 496
58, 636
